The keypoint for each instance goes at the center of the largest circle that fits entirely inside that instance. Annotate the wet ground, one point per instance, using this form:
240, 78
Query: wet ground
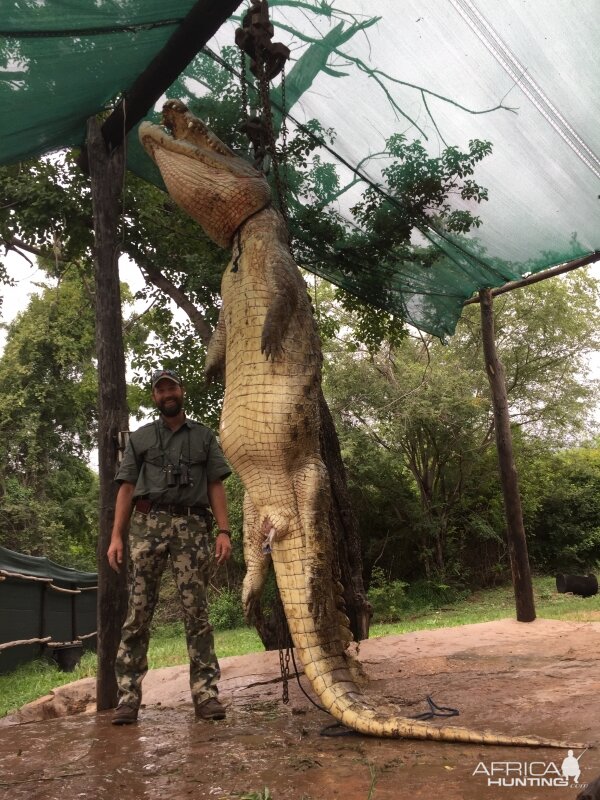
541, 678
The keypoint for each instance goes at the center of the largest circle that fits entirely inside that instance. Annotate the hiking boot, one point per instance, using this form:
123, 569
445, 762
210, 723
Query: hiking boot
210, 709
125, 715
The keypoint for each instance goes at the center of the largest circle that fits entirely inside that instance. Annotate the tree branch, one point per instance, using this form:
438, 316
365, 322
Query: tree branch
180, 298
16, 245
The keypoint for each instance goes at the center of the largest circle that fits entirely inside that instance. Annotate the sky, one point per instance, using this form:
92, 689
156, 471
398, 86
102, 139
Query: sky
16, 298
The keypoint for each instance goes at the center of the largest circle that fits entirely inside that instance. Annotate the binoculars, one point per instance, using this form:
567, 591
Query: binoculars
177, 475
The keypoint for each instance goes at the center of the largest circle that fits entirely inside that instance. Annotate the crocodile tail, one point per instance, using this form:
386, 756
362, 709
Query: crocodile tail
346, 703
321, 649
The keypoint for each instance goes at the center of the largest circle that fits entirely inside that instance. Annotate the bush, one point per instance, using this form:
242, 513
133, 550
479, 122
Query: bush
564, 530
225, 609
389, 601
393, 601
224, 606
433, 594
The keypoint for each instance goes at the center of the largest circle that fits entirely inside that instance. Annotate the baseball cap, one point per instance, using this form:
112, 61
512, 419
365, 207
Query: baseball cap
167, 374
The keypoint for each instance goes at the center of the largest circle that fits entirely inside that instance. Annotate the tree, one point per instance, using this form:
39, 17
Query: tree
48, 495
386, 502
428, 405
563, 513
48, 421
47, 381
179, 261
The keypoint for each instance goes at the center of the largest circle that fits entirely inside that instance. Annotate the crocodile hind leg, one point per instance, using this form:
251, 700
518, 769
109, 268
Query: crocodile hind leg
257, 563
309, 556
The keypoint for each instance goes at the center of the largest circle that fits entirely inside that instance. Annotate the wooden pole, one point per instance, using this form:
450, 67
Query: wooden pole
561, 269
517, 543
201, 23
106, 172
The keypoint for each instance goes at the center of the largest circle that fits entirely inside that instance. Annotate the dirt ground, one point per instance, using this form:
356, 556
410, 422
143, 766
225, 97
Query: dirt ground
540, 678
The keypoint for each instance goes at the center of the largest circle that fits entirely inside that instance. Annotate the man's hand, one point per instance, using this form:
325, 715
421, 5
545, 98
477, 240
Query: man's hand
115, 553
222, 548
120, 525
218, 504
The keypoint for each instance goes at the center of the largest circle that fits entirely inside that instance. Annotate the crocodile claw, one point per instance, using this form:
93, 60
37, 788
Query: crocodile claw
271, 346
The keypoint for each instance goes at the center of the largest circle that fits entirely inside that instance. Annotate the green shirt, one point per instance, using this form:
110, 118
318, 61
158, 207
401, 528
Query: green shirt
155, 455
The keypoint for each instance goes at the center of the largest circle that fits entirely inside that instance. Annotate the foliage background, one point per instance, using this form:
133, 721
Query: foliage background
413, 415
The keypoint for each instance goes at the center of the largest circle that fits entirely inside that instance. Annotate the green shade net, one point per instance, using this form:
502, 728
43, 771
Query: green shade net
41, 567
74, 61
520, 74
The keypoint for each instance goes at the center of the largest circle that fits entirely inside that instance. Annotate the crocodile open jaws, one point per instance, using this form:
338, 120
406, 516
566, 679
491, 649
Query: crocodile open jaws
267, 345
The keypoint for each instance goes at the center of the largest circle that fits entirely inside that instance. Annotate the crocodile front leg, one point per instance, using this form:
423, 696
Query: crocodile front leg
214, 365
282, 275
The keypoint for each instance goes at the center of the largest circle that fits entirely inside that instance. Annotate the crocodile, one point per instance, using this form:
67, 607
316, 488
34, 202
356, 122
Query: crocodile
267, 347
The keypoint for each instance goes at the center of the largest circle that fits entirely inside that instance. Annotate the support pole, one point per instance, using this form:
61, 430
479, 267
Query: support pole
517, 543
543, 275
201, 23
106, 172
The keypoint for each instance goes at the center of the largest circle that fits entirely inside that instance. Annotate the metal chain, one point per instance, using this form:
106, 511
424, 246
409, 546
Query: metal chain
284, 135
262, 67
243, 86
263, 84
265, 103
284, 665
285, 183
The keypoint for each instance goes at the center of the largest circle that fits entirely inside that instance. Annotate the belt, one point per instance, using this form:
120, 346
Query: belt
147, 506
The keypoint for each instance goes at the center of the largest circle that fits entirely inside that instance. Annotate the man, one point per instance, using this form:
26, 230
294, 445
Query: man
171, 472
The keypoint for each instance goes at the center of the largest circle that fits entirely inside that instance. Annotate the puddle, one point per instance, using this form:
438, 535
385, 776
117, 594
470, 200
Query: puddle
262, 743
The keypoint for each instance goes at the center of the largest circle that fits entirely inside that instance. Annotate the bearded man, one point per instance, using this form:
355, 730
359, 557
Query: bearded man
170, 478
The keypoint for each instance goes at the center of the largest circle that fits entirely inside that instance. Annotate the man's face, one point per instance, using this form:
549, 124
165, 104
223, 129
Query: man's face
168, 397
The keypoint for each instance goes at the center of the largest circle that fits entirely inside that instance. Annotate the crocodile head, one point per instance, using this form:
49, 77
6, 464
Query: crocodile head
216, 187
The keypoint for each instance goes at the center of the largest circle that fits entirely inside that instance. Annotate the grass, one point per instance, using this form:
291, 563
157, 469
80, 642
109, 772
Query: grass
167, 645
499, 603
167, 649
37, 678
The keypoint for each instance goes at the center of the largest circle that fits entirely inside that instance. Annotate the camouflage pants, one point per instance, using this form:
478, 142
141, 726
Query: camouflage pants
152, 539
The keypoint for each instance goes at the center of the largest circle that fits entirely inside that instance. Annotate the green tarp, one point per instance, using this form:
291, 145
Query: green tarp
41, 567
521, 74
32, 609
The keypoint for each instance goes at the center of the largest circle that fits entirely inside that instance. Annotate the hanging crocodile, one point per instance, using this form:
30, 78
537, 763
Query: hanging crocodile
266, 345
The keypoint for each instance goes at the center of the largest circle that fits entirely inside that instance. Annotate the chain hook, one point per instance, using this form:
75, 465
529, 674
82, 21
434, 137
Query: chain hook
267, 60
